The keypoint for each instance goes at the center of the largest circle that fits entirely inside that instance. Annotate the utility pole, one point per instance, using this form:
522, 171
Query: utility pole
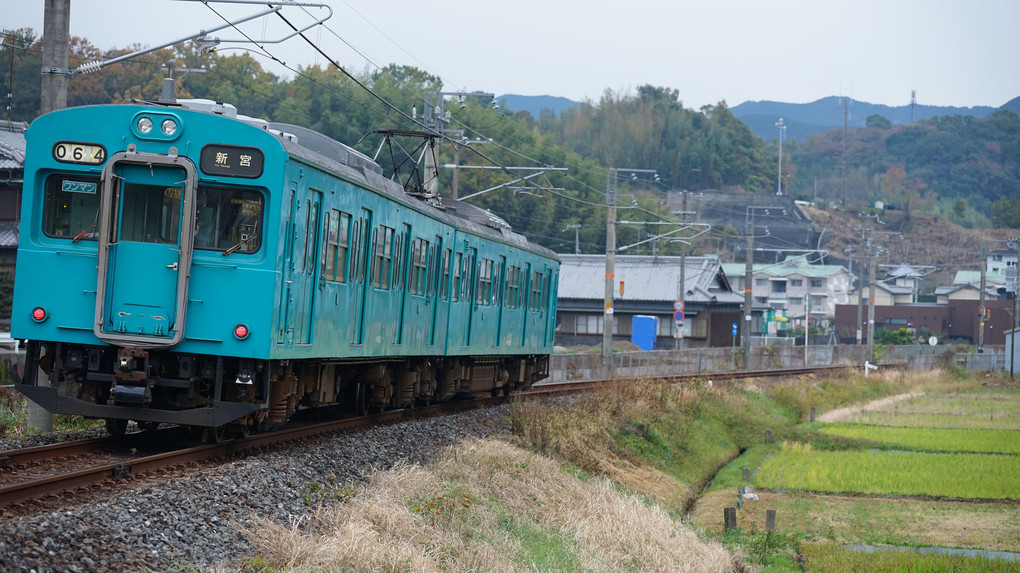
612, 181
871, 306
683, 278
782, 133
577, 237
607, 317
846, 118
56, 47
56, 40
981, 305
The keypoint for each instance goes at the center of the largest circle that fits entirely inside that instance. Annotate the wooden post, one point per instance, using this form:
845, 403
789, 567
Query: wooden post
747, 474
812, 413
770, 520
729, 518
768, 436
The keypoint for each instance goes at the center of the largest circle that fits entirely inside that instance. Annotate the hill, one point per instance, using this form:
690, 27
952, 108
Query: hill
803, 119
920, 240
535, 104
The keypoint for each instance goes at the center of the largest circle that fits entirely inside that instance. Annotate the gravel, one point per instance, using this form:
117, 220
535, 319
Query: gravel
194, 521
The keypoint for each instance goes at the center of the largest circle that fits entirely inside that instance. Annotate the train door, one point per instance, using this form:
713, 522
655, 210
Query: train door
146, 226
307, 267
470, 285
525, 303
432, 293
286, 333
500, 286
359, 256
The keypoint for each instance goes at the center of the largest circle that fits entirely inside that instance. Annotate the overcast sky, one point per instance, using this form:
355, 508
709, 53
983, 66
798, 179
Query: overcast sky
952, 52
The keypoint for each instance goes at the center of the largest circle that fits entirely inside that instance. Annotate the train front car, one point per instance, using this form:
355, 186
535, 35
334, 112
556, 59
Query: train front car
143, 265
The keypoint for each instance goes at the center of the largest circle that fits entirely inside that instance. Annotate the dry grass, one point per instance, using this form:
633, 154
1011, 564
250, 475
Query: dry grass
488, 506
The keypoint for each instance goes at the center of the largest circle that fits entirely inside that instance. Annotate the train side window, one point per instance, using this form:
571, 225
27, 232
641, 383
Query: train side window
356, 237
535, 301
337, 241
444, 282
513, 278
455, 291
416, 282
71, 207
382, 257
228, 217
467, 281
484, 294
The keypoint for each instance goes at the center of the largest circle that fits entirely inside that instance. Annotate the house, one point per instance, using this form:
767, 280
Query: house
795, 286
646, 286
12, 169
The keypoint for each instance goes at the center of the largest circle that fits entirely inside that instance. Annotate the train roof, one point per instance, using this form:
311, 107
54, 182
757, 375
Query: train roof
323, 150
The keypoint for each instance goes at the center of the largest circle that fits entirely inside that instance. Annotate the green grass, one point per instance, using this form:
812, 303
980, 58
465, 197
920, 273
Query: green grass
975, 440
967, 476
826, 558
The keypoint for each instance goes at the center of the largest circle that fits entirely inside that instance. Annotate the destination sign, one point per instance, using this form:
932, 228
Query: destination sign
84, 153
232, 161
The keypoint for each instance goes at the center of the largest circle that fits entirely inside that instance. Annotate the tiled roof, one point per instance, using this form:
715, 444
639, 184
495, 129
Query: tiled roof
644, 277
8, 235
12, 144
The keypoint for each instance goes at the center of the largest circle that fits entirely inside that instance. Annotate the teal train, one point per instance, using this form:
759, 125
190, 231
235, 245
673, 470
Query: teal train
179, 263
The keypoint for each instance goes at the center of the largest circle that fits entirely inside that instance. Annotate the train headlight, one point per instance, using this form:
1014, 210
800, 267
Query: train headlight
169, 126
241, 331
39, 314
144, 125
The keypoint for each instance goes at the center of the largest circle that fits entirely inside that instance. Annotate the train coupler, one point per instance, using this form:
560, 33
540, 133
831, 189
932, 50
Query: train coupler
131, 383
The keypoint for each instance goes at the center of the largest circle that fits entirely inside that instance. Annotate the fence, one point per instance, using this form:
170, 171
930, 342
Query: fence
699, 361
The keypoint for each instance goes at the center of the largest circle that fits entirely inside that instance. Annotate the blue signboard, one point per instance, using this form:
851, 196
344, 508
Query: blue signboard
734, 329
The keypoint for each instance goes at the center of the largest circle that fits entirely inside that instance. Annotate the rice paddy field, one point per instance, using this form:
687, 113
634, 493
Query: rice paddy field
917, 481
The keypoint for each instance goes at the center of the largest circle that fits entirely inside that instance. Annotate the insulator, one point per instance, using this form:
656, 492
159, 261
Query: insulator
89, 67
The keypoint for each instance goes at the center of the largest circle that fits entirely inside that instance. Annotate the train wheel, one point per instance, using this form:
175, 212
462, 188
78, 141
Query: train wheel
116, 428
361, 404
218, 435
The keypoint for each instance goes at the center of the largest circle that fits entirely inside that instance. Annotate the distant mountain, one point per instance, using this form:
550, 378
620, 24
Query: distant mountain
803, 119
535, 104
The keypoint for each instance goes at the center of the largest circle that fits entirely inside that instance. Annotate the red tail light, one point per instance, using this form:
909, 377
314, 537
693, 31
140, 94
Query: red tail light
241, 331
39, 314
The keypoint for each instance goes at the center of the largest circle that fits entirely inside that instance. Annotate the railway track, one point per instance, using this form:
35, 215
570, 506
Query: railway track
44, 471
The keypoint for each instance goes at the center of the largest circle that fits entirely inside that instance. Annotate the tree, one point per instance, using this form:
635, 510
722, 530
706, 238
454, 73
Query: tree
876, 120
1006, 213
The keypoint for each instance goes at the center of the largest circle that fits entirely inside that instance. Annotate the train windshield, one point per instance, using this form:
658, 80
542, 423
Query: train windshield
228, 220
71, 207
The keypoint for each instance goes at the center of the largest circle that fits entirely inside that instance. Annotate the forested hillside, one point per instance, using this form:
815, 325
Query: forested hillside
962, 168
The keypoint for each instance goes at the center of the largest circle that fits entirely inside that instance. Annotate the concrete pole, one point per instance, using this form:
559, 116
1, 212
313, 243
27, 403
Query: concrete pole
607, 320
871, 307
981, 305
56, 47
748, 284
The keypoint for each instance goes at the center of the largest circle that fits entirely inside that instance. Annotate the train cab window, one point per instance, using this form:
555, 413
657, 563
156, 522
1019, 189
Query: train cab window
71, 207
228, 219
150, 213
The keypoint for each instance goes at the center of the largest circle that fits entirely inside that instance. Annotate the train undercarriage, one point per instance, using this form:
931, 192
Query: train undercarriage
219, 396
